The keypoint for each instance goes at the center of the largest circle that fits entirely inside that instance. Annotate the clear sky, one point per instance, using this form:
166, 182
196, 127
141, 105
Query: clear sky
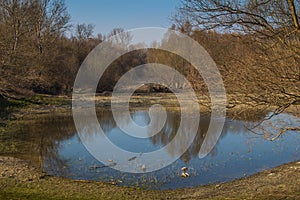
127, 14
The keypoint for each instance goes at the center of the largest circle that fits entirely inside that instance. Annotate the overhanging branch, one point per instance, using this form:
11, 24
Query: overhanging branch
294, 14
285, 130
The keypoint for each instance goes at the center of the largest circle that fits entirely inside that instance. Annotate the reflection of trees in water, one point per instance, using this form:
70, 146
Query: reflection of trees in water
170, 130
105, 119
46, 134
61, 130
43, 137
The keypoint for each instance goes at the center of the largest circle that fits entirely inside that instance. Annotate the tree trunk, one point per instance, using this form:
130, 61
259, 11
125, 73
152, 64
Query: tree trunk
294, 14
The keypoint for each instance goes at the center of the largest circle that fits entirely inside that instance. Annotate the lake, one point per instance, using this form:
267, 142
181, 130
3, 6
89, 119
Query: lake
53, 141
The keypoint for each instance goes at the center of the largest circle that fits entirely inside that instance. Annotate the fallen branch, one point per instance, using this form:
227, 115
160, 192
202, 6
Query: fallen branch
285, 130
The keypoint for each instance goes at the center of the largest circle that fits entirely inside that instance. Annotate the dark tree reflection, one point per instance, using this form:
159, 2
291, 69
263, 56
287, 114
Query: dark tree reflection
44, 135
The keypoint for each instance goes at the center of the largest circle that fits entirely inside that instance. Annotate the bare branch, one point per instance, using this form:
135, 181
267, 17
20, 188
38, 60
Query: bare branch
285, 130
294, 14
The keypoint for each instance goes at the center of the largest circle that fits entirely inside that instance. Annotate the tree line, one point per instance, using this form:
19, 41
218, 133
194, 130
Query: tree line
263, 60
254, 43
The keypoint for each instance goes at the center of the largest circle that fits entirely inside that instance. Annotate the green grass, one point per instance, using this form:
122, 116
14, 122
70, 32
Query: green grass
48, 100
55, 188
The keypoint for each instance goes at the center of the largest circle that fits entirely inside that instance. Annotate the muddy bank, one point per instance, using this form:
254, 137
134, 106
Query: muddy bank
19, 180
41, 104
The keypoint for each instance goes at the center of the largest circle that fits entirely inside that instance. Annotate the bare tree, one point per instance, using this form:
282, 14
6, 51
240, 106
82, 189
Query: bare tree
270, 76
13, 16
48, 18
84, 31
84, 40
30, 37
121, 38
32, 21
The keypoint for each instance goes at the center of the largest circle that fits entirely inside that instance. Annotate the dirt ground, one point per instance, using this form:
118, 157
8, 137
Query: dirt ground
19, 180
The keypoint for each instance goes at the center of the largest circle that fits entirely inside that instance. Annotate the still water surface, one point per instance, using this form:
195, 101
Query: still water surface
238, 152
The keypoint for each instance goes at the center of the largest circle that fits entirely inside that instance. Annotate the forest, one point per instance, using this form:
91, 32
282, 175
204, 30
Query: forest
41, 51
43, 154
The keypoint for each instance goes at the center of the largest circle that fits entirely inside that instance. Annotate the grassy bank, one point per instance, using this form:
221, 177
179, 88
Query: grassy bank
20, 181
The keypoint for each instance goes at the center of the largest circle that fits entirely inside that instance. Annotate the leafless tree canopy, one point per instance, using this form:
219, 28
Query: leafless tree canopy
266, 67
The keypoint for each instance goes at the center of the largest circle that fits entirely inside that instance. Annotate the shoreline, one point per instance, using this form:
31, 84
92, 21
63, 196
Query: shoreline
39, 104
20, 180
25, 181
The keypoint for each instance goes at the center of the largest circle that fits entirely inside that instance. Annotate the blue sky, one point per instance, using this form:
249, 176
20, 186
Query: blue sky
127, 14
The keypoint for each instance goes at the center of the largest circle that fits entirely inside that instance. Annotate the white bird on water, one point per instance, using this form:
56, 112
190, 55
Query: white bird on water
184, 174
